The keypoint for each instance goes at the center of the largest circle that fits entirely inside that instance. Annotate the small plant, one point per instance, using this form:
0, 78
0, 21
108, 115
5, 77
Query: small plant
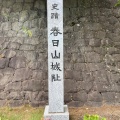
93, 117
27, 31
117, 4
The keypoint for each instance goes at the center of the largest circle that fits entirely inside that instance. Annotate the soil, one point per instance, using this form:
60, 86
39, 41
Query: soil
109, 112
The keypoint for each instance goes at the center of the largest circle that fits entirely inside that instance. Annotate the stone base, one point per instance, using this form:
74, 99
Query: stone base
56, 116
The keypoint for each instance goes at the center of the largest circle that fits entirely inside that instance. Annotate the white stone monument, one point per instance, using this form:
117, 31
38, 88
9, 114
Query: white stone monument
56, 110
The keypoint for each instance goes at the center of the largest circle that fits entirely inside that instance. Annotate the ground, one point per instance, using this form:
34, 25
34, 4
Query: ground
29, 113
109, 112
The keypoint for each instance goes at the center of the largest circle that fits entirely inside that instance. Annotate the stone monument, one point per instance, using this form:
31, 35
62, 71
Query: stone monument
56, 110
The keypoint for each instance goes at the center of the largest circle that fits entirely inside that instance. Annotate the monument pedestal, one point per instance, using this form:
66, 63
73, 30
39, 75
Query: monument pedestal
56, 116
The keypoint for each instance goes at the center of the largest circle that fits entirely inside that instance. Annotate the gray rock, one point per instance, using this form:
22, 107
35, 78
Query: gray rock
27, 6
77, 75
22, 74
14, 96
30, 55
2, 103
75, 104
17, 7
27, 47
2, 96
16, 26
17, 62
70, 86
14, 17
8, 3
15, 86
37, 103
80, 96
32, 41
68, 74
29, 0
16, 103
10, 53
14, 45
92, 57
3, 63
34, 65
109, 97
32, 85
24, 16
8, 71
6, 26
33, 15
100, 34
95, 96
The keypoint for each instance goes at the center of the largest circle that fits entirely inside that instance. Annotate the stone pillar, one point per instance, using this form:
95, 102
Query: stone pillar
56, 109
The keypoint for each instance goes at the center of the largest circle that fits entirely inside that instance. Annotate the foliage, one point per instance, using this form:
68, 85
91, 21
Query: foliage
36, 116
27, 31
93, 117
117, 4
21, 113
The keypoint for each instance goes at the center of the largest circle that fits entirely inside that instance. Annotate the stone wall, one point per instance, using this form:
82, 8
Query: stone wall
91, 52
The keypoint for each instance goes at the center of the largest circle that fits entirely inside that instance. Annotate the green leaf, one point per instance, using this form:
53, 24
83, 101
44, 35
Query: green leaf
117, 4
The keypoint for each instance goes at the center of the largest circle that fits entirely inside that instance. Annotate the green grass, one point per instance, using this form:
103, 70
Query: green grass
21, 113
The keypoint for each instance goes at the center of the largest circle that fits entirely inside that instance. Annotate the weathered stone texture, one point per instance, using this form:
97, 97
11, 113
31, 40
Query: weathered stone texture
91, 52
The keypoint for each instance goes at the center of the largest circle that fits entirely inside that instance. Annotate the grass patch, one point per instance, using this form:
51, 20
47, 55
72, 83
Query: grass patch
21, 113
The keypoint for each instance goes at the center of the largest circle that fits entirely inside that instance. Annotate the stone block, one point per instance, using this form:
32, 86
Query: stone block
93, 57
10, 53
32, 41
68, 97
27, 6
17, 62
14, 17
3, 62
14, 96
77, 75
22, 74
32, 85
70, 86
80, 66
29, 0
30, 55
76, 104
6, 26
84, 85
95, 96
24, 16
68, 74
8, 71
17, 7
33, 16
15, 86
8, 3
37, 103
56, 116
16, 103
109, 97
16, 26
80, 96
5, 79
27, 47
2, 96
95, 42
34, 65
116, 57
100, 34
14, 45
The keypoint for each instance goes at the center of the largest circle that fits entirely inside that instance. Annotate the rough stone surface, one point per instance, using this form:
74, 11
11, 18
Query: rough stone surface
91, 52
